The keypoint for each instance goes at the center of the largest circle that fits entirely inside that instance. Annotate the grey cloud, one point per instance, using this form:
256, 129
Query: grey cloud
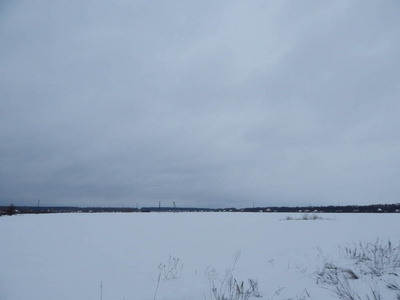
207, 104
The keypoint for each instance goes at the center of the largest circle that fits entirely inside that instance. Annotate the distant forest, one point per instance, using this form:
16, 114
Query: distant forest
374, 208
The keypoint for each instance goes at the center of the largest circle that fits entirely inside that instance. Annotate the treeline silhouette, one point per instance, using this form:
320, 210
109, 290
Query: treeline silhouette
373, 208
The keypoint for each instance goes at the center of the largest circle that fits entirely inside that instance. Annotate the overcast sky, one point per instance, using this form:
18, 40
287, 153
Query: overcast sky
205, 103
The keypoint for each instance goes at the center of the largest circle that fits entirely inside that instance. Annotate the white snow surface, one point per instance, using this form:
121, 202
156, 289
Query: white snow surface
116, 255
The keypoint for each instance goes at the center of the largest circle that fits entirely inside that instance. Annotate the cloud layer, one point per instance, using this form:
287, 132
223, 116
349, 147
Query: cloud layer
210, 104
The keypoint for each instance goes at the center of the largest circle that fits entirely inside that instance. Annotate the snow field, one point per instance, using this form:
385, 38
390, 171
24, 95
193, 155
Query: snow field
68, 256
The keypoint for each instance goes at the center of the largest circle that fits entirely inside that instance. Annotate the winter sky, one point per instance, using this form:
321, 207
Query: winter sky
205, 103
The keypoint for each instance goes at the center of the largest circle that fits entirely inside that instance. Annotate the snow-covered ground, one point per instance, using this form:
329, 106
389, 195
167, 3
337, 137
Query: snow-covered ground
120, 256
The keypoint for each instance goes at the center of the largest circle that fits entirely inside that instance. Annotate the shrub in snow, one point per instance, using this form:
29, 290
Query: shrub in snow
168, 271
371, 267
229, 288
374, 258
171, 270
305, 217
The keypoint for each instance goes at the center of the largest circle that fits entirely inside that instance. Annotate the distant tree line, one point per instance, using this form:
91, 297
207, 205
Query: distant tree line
374, 208
11, 210
61, 209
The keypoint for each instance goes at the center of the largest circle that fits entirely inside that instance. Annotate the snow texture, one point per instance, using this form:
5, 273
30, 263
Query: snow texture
121, 256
